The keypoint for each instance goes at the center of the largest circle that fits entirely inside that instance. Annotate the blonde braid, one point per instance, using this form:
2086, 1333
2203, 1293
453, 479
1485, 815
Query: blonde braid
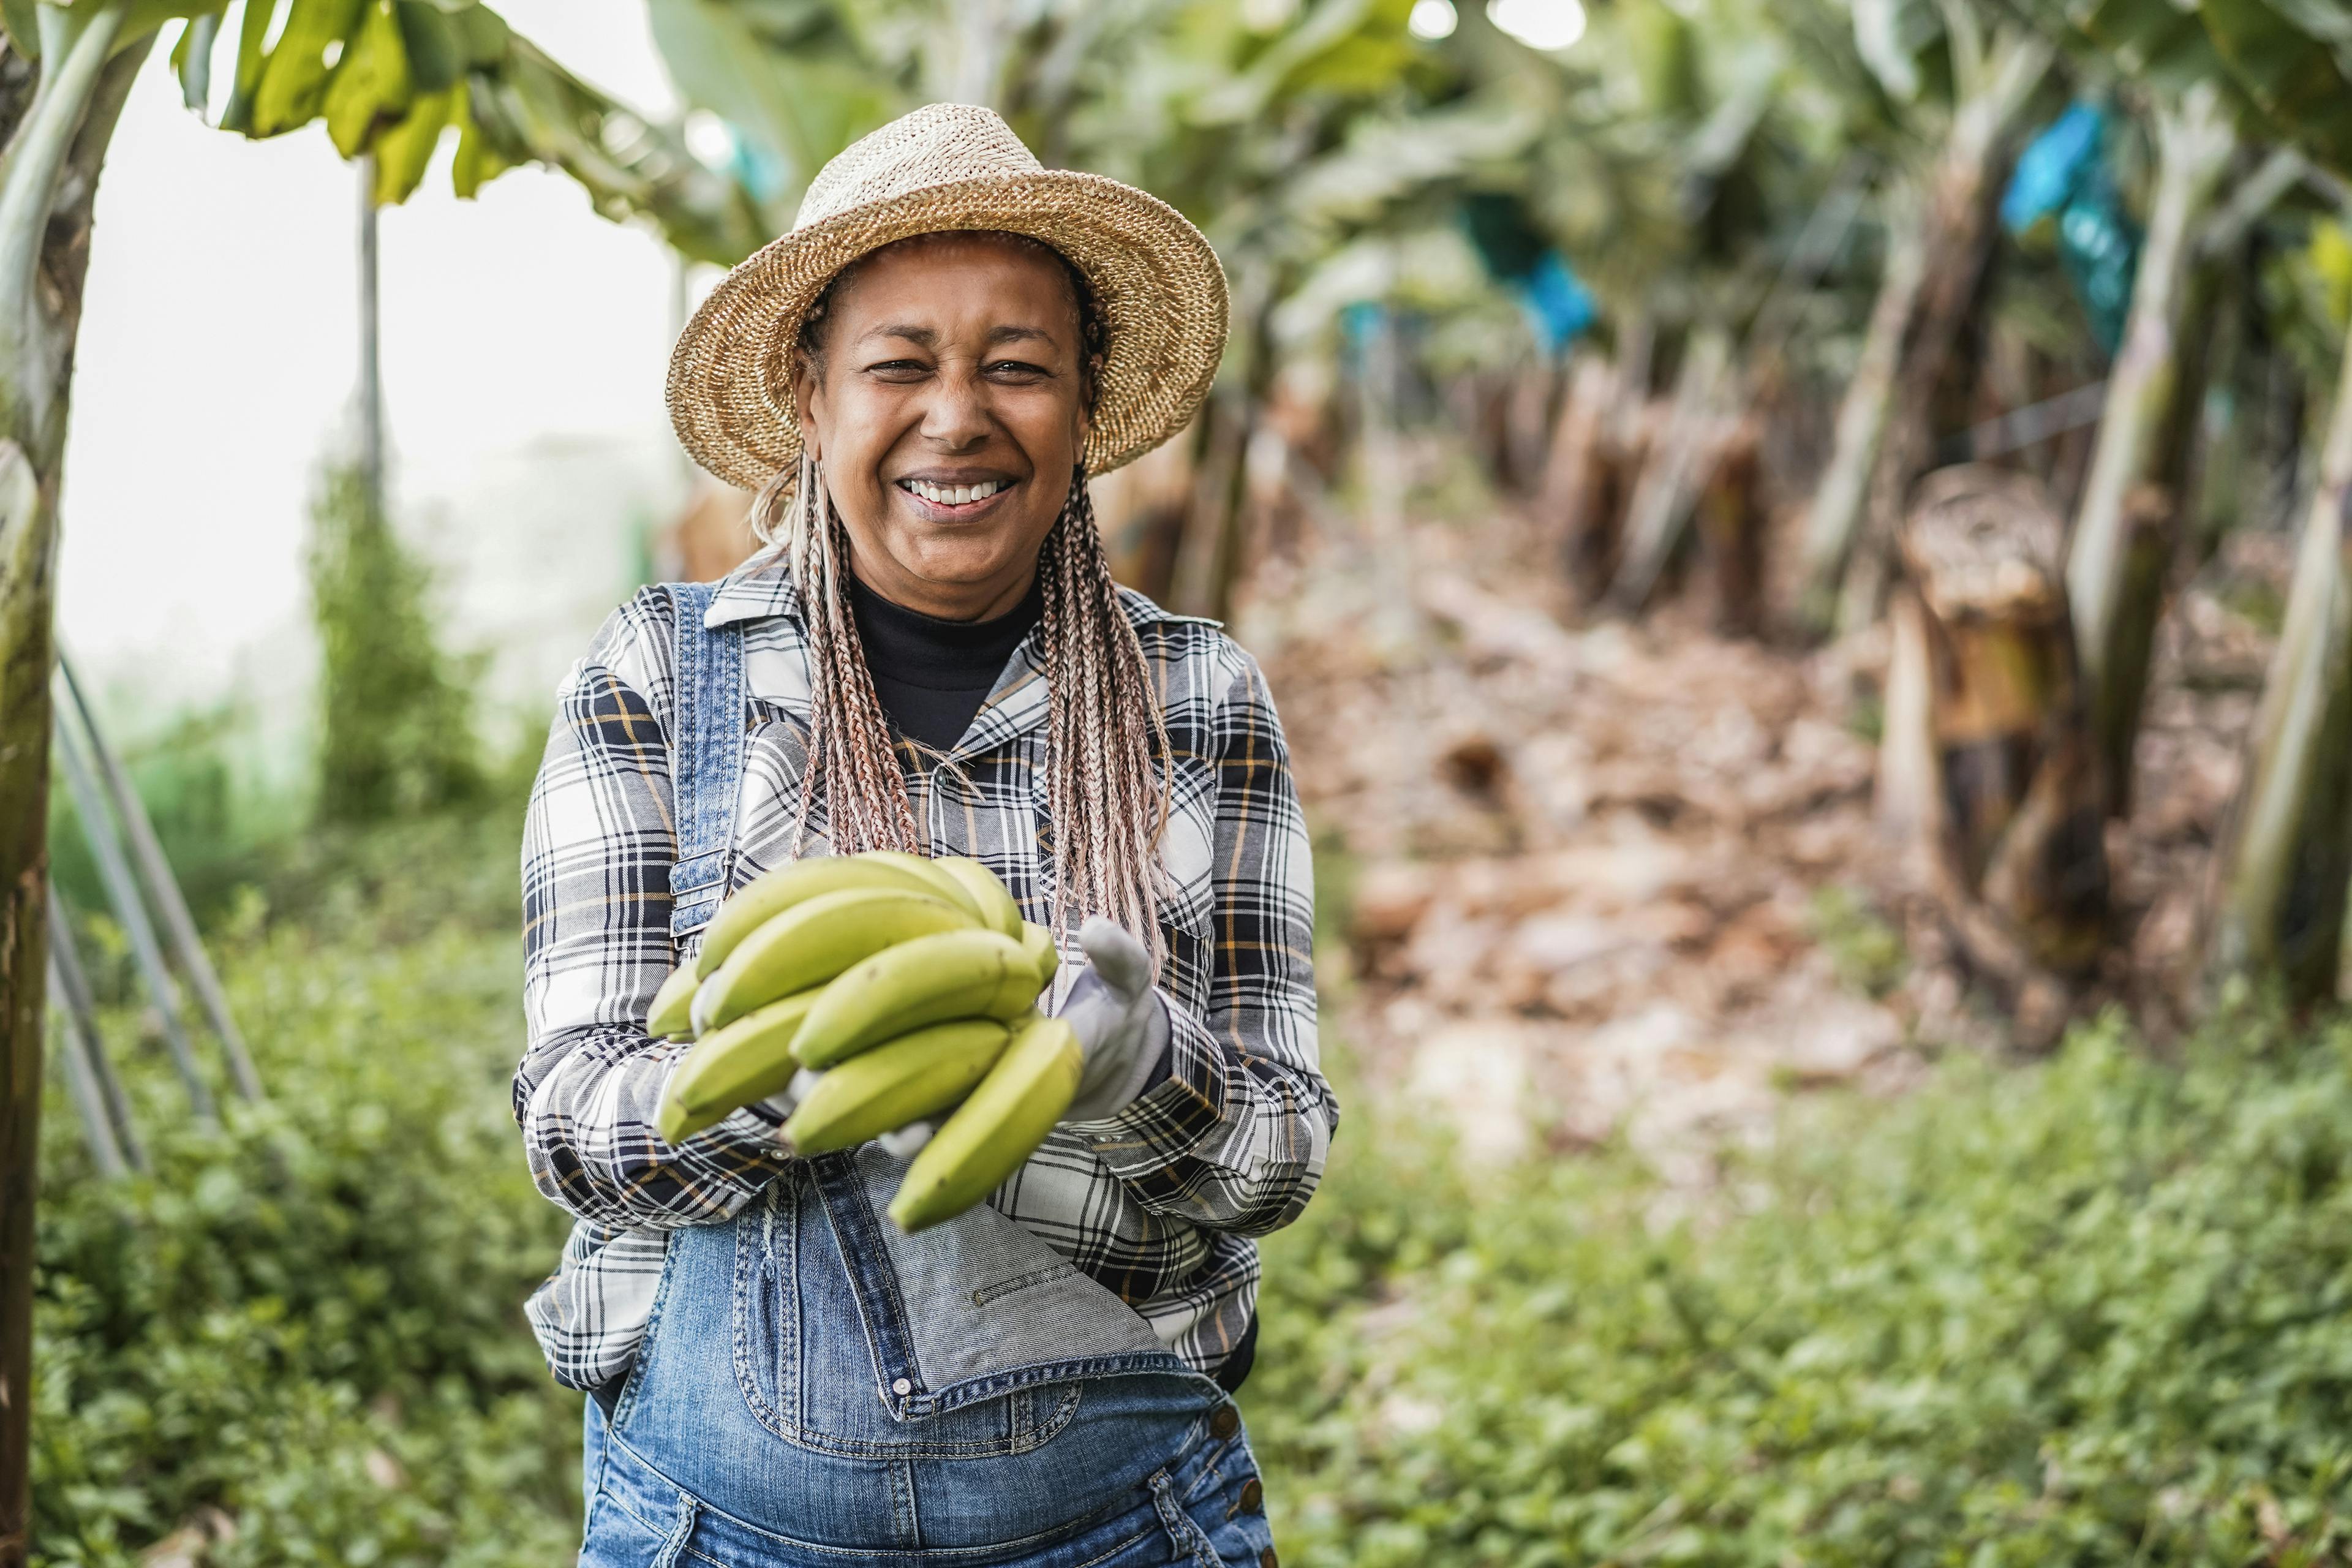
850, 761
1108, 802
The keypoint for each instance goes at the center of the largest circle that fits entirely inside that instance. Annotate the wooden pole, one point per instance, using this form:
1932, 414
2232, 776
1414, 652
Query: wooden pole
155, 870
73, 998
122, 890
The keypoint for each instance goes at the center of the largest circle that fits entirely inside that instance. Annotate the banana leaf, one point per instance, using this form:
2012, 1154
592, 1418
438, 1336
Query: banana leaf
2293, 71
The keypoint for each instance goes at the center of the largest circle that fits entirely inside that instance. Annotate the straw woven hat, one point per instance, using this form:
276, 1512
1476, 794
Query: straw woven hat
947, 167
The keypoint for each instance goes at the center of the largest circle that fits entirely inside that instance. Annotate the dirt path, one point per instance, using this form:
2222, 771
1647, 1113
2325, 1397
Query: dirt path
1624, 878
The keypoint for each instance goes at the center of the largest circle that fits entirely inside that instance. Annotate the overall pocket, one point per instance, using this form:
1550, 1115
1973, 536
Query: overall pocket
806, 1367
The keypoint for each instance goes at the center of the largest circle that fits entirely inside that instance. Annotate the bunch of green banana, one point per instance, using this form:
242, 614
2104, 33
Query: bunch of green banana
895, 974
993, 1133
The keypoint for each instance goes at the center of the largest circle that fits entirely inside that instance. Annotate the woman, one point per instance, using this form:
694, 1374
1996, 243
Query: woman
918, 380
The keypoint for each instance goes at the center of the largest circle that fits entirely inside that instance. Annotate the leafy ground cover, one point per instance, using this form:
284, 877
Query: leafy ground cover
2089, 1311
298, 1340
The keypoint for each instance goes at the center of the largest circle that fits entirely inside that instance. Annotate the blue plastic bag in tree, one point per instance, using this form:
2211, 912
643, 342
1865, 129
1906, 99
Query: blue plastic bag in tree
2064, 171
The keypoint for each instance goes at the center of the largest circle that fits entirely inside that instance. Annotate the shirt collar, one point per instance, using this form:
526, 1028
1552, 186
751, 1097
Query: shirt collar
763, 587
760, 587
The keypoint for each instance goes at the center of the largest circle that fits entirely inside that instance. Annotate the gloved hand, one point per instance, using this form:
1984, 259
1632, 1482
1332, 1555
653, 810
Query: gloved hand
1119, 1021
905, 1143
1118, 1017
787, 1100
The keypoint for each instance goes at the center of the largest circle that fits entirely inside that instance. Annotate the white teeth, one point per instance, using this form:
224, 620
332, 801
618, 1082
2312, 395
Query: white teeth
955, 495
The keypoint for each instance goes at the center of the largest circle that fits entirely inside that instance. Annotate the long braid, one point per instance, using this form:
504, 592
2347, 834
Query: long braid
850, 761
1109, 803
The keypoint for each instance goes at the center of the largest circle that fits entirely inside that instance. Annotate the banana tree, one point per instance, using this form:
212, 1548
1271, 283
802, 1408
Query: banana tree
2127, 521
1939, 217
2276, 901
390, 78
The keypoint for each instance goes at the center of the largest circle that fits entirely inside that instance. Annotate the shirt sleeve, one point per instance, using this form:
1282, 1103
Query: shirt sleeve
598, 843
1235, 1136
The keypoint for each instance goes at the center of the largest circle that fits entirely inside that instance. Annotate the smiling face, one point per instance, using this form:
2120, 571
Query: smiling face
945, 395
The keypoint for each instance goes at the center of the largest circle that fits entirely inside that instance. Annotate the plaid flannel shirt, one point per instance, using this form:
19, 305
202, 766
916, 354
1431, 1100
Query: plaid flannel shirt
1157, 1203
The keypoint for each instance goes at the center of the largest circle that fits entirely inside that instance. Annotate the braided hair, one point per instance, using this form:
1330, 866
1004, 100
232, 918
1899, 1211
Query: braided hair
1106, 742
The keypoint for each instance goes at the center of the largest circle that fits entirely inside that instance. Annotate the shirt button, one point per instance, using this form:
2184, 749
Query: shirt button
1225, 1423
904, 1385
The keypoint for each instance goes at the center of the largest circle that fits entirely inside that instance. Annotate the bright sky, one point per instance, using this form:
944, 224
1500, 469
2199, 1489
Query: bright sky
524, 339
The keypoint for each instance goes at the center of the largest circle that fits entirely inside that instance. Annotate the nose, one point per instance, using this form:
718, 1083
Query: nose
956, 418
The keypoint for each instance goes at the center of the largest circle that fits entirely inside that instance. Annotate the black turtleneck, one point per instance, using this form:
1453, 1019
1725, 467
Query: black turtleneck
932, 675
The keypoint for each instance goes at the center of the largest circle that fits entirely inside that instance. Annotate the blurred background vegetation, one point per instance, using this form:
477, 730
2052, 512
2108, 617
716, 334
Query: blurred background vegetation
1801, 548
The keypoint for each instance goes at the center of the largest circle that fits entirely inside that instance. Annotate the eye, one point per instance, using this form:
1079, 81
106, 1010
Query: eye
899, 368
1018, 369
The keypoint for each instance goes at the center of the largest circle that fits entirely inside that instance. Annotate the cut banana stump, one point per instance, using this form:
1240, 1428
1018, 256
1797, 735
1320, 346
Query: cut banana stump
905, 989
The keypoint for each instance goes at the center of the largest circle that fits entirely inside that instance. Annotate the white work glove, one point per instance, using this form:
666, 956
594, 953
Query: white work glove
1118, 1017
905, 1143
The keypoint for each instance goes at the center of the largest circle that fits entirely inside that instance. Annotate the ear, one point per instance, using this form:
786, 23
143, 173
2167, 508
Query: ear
1089, 388
808, 401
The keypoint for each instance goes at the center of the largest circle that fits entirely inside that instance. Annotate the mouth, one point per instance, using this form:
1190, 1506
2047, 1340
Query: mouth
956, 502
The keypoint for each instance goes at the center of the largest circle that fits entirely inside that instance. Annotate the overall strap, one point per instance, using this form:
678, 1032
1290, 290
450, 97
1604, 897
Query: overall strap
706, 757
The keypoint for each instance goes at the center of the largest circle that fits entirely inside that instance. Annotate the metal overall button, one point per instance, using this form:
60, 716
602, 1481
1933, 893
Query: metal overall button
1225, 1423
902, 1387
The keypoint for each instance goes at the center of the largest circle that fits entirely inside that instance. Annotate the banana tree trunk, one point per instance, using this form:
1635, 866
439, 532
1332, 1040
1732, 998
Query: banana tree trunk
1674, 470
2275, 903
2127, 523
1935, 260
56, 133
2012, 809
1582, 486
1731, 528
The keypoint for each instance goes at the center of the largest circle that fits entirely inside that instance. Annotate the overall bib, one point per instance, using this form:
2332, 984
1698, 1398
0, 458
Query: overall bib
814, 1388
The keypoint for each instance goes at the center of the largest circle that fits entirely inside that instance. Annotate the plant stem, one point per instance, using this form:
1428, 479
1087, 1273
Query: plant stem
75, 45
2275, 906
2128, 519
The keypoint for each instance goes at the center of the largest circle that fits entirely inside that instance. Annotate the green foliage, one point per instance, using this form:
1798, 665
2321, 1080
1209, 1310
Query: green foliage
311, 1321
397, 721
219, 822
2090, 1313
2098, 1310
1867, 952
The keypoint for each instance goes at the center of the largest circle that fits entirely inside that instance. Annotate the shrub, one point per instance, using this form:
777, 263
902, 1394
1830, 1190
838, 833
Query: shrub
309, 1321
397, 713
2092, 1311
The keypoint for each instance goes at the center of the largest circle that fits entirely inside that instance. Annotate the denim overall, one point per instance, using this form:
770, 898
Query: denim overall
815, 1388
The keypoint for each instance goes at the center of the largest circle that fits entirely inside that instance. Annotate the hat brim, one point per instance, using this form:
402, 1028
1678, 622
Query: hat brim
1159, 287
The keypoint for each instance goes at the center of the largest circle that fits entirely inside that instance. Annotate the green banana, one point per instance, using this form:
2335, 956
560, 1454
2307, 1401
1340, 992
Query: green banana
671, 1015
371, 82
295, 74
939, 882
956, 974
813, 940
749, 1059
993, 1133
1038, 943
915, 1076
996, 905
770, 894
